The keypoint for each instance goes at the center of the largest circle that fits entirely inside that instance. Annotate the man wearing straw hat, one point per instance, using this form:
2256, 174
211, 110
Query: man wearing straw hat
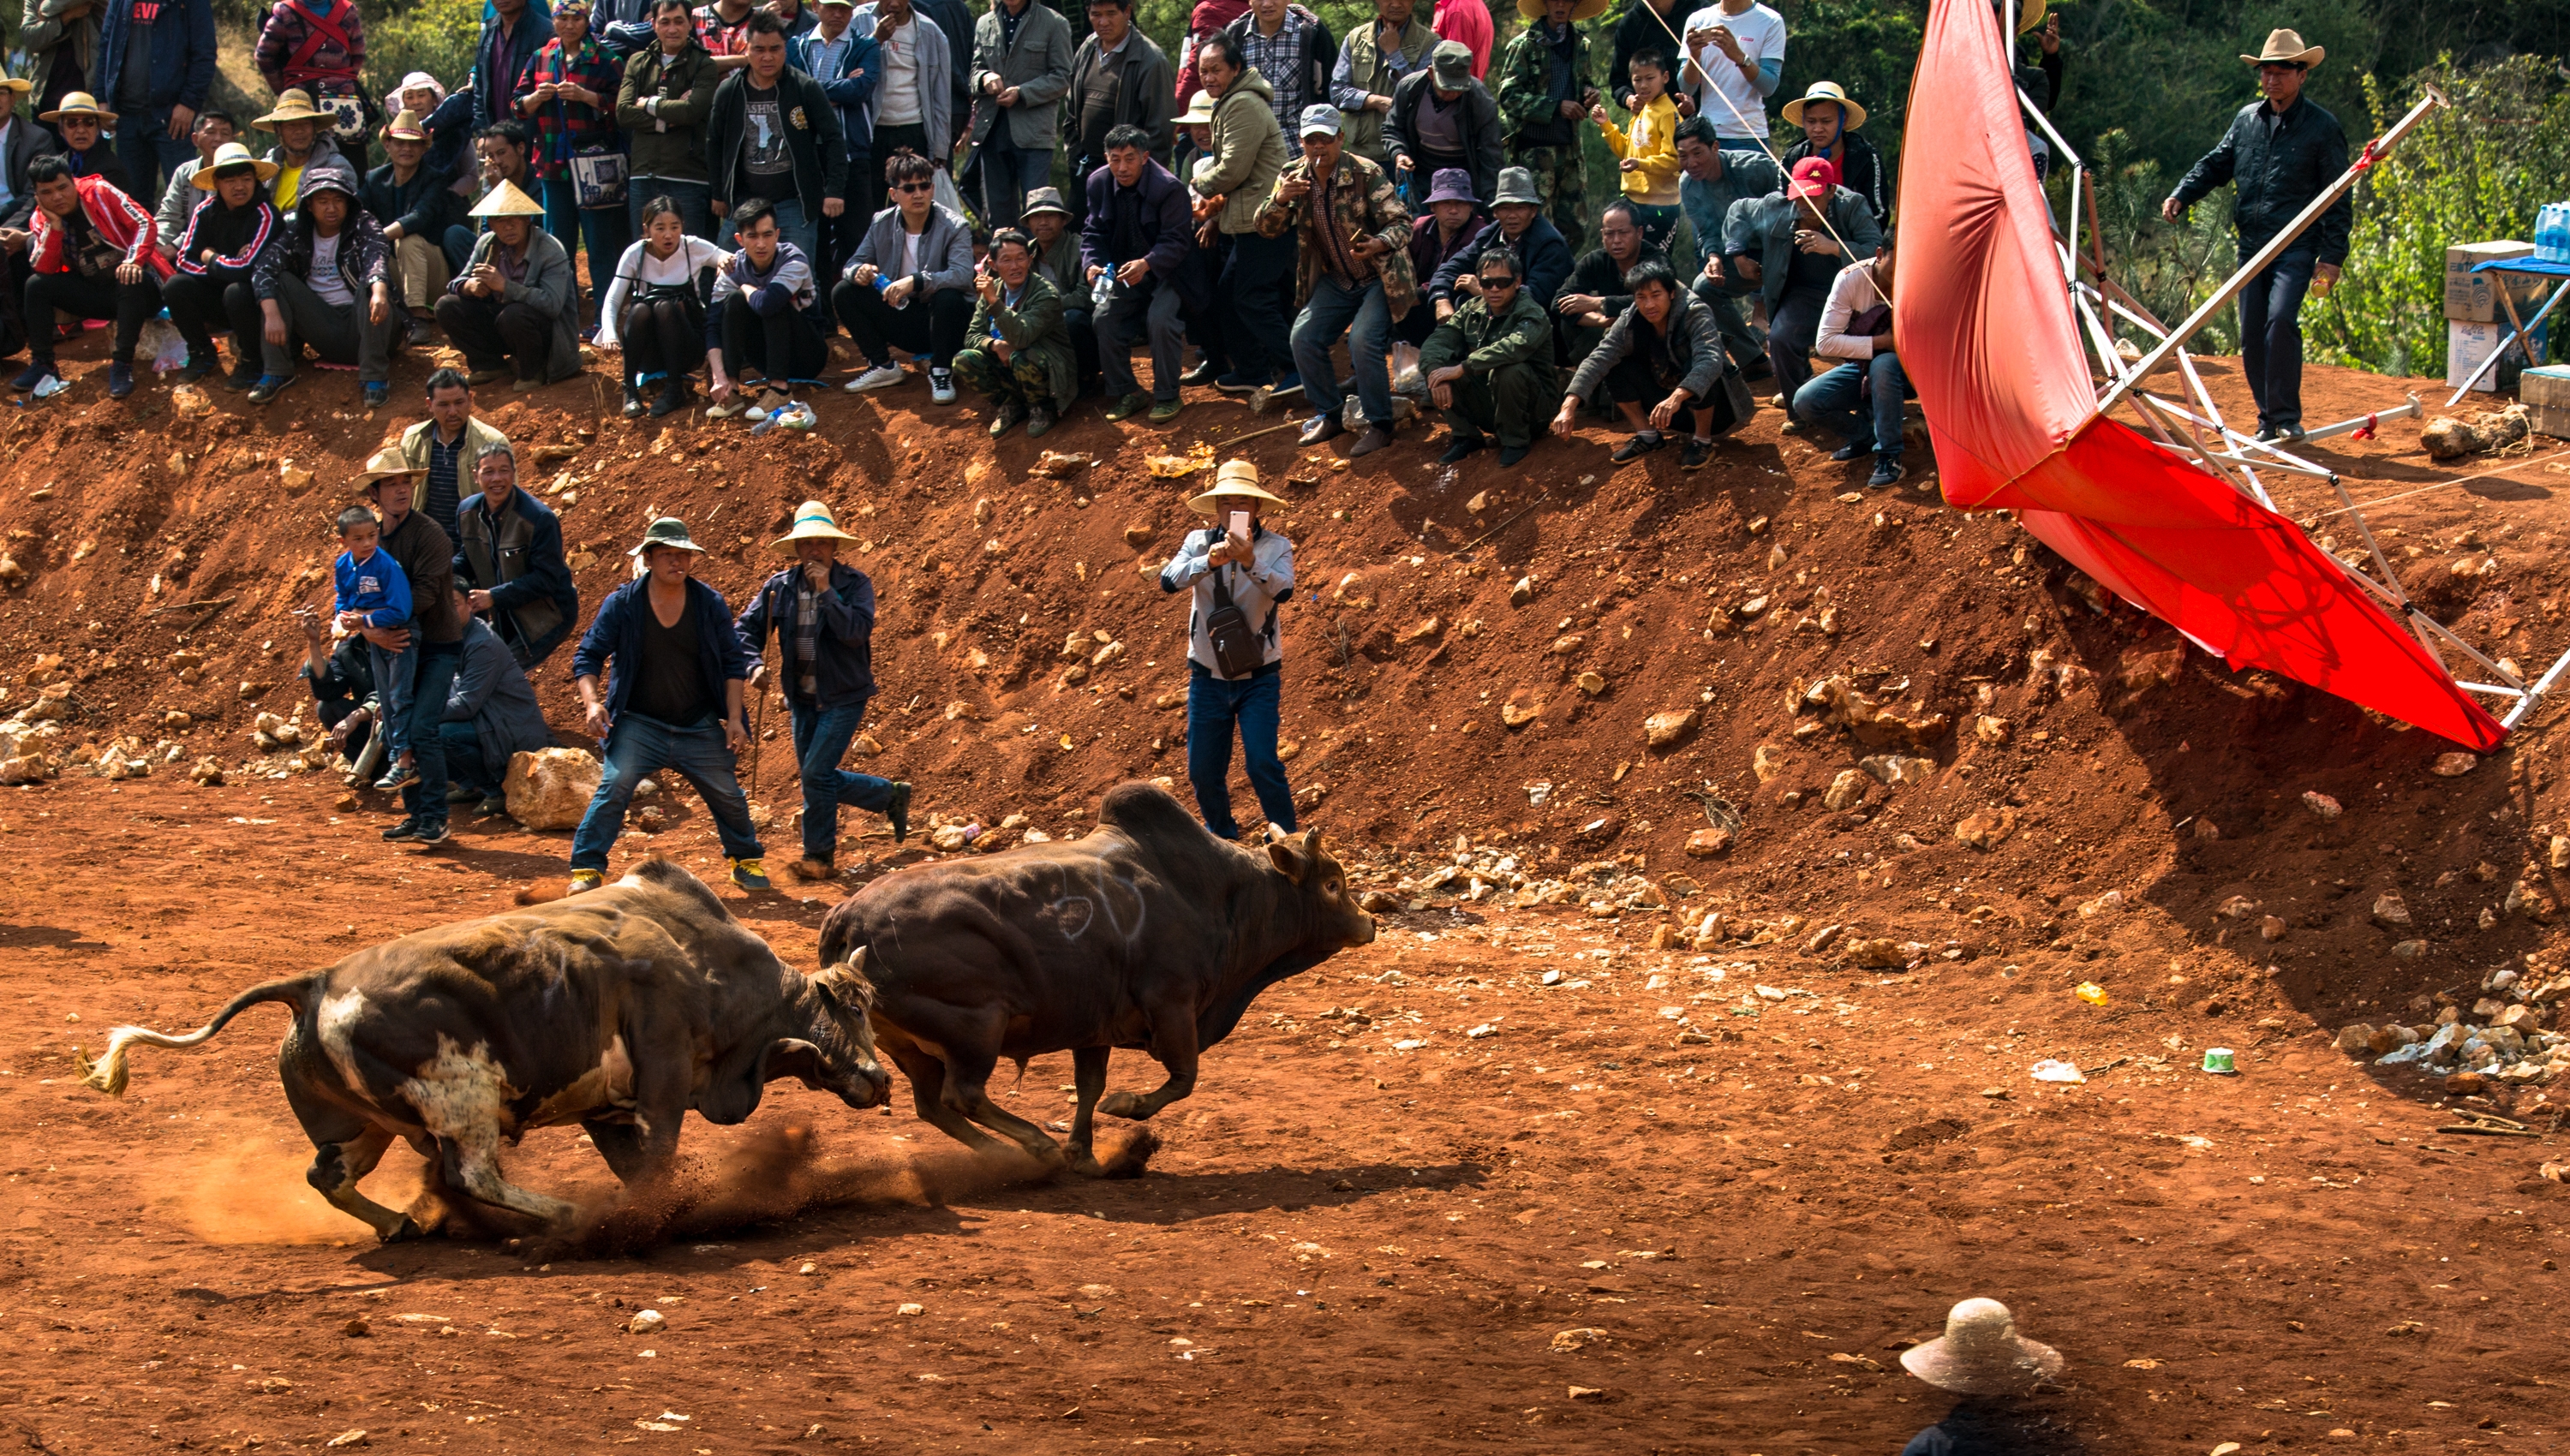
103, 267
2281, 153
1544, 96
21, 142
156, 61
1983, 1358
673, 701
1240, 572
302, 139
515, 306
1830, 122
415, 678
415, 204
82, 123
823, 613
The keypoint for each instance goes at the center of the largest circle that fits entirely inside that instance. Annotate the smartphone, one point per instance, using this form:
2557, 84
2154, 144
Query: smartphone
1240, 523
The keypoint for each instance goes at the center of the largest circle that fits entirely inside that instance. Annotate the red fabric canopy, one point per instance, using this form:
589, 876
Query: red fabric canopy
1987, 337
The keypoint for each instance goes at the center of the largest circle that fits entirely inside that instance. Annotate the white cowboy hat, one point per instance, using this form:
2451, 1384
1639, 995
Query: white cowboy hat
1980, 1353
812, 522
2286, 48
1830, 91
506, 200
234, 154
1235, 477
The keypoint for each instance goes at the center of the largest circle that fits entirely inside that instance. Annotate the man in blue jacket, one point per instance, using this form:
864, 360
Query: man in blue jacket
675, 701
156, 63
509, 556
1521, 229
845, 60
1140, 241
823, 613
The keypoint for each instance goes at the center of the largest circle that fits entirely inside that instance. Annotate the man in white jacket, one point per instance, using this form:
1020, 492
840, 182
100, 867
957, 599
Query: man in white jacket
1861, 399
1240, 572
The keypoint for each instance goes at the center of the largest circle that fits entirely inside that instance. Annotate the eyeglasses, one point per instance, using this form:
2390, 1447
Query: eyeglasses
914, 186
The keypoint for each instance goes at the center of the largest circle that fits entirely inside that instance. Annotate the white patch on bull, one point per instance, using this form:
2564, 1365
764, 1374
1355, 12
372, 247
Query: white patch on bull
610, 1084
463, 1097
336, 1022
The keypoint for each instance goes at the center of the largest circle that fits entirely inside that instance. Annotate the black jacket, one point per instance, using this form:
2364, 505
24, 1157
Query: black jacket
1483, 150
846, 669
1541, 251
1597, 272
1860, 170
812, 137
2278, 165
425, 207
519, 560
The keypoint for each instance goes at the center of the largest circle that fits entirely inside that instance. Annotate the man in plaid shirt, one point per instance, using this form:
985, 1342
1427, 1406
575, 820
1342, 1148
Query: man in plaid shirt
569, 95
1293, 48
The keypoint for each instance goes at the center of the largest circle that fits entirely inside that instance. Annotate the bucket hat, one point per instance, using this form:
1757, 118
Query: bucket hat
1451, 63
1043, 200
1199, 112
668, 530
812, 522
293, 104
1516, 185
384, 464
1235, 477
417, 79
506, 200
232, 154
1980, 1353
1826, 91
2282, 48
1451, 184
82, 103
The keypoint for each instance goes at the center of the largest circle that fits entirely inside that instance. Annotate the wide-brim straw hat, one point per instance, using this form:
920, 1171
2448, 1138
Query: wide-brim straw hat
2282, 48
16, 84
384, 464
668, 530
232, 154
506, 200
1854, 115
1235, 477
1585, 10
405, 126
292, 104
1517, 186
1980, 1353
812, 522
82, 103
2031, 16
1199, 112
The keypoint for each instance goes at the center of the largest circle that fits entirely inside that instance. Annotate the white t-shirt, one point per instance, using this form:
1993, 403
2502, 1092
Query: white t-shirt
325, 279
897, 95
1761, 34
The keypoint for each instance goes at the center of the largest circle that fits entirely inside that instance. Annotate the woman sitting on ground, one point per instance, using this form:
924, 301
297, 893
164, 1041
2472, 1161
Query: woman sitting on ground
656, 310
1017, 350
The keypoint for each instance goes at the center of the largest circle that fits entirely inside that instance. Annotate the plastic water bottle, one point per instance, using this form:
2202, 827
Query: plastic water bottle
2552, 234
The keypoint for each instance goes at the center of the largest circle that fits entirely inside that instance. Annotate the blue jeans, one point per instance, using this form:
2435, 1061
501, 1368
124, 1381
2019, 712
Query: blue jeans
2271, 334
393, 674
1213, 706
805, 233
693, 198
1835, 402
151, 157
1007, 176
457, 245
636, 746
463, 749
428, 689
601, 228
1361, 315
821, 739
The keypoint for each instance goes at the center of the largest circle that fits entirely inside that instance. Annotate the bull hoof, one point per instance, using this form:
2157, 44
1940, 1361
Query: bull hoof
1123, 1104
1083, 1162
402, 1232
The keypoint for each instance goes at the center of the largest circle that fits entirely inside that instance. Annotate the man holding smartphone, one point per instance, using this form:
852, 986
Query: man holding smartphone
1240, 573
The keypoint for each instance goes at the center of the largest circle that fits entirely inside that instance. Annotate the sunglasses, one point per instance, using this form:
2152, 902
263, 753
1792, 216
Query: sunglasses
914, 187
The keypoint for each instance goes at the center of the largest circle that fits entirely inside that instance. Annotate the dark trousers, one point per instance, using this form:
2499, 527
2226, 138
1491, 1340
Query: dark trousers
1214, 705
1008, 174
1083, 343
933, 325
129, 305
200, 303
1257, 291
494, 335
888, 140
426, 800
462, 747
660, 337
1740, 337
821, 739
606, 229
1791, 333
151, 155
837, 237
339, 332
1510, 402
2270, 335
786, 346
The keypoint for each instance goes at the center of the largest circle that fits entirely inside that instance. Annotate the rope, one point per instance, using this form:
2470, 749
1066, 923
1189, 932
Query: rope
2365, 429
2486, 475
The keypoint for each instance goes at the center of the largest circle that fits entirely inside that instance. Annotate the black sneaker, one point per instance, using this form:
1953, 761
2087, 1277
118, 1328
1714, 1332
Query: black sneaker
898, 811
198, 367
241, 378
1205, 373
408, 829
1850, 450
120, 380
495, 807
1888, 471
1514, 454
632, 401
429, 832
1642, 443
674, 397
1697, 453
1461, 448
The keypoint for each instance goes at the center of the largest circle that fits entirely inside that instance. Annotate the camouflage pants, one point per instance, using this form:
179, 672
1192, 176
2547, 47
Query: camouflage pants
1561, 179
1022, 381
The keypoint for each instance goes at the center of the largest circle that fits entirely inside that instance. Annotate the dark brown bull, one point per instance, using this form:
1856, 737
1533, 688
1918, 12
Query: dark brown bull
1148, 934
619, 1010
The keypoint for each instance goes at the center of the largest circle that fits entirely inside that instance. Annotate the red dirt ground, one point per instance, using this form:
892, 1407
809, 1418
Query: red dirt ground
1358, 1241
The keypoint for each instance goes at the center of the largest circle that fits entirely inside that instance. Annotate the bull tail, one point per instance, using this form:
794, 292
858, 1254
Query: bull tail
107, 1074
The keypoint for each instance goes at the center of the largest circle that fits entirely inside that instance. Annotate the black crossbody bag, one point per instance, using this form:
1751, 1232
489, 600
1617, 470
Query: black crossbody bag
1235, 646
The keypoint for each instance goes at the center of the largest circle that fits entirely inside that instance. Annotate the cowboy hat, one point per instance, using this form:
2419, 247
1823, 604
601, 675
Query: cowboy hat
2282, 48
1981, 1354
80, 104
1585, 10
384, 464
1830, 90
506, 200
1235, 477
1516, 185
232, 154
12, 82
292, 104
405, 126
1199, 112
812, 522
668, 530
1045, 199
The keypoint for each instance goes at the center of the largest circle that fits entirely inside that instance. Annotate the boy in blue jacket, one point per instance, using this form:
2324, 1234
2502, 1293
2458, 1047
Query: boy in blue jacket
373, 591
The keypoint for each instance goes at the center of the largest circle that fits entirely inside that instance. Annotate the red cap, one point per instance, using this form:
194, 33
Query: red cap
1813, 179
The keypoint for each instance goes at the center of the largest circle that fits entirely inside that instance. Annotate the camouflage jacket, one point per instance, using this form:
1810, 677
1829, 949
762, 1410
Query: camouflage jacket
1364, 205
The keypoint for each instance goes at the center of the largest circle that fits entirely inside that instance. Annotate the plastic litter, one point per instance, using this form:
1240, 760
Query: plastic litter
2049, 1070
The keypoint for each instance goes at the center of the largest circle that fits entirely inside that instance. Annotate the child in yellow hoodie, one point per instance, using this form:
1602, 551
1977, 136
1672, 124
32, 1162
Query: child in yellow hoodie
1649, 156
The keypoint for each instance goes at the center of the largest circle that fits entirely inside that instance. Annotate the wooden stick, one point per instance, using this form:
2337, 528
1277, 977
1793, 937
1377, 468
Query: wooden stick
192, 605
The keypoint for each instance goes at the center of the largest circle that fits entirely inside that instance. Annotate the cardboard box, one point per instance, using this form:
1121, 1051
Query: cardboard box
2468, 345
2549, 385
2473, 297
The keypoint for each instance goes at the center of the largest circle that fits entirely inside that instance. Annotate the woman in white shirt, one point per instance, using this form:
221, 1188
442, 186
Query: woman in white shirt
655, 309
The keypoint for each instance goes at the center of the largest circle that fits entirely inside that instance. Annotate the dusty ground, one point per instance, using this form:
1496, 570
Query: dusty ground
1357, 1241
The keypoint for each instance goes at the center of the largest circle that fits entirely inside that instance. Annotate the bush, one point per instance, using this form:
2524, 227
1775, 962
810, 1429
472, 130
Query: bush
435, 35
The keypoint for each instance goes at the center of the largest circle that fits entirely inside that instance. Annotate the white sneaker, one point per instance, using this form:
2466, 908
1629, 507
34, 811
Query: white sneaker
941, 386
882, 376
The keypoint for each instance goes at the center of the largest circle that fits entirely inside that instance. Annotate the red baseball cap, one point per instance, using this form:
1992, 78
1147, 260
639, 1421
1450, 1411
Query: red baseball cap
1813, 179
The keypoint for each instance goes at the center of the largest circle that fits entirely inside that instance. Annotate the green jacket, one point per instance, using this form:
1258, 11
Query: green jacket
1480, 343
1523, 85
667, 141
1364, 205
1035, 329
1362, 54
1248, 150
